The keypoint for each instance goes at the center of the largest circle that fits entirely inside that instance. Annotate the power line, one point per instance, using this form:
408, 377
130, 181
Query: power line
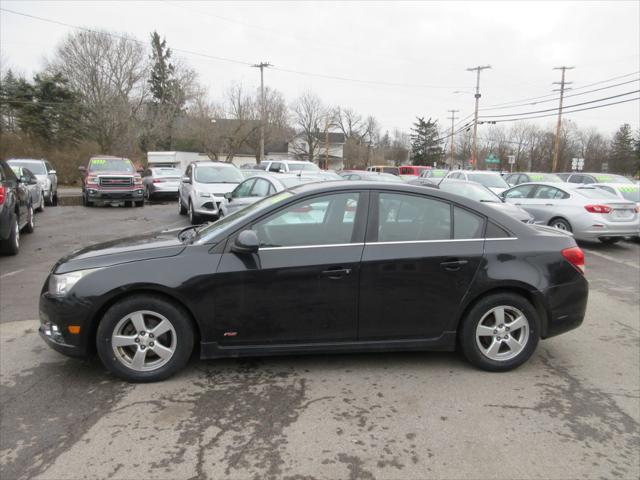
566, 113
557, 109
509, 103
566, 96
231, 60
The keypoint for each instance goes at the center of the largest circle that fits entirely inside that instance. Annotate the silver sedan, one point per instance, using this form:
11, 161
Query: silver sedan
161, 181
260, 186
586, 211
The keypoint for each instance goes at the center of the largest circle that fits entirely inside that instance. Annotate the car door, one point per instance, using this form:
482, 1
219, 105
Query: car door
420, 257
545, 202
22, 194
302, 285
32, 186
520, 196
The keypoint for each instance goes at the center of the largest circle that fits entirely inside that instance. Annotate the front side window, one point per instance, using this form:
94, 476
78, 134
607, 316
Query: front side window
261, 188
323, 220
243, 189
403, 218
523, 191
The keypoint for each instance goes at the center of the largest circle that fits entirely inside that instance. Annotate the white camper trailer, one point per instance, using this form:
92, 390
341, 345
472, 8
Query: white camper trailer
179, 160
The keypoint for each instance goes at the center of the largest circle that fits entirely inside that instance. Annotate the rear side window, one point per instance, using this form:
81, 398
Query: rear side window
466, 225
523, 191
494, 231
551, 193
403, 218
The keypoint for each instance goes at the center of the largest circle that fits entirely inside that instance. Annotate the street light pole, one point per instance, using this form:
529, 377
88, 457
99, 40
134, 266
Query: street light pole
474, 146
261, 66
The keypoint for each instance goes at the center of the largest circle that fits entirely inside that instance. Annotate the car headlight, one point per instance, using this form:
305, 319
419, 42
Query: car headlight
61, 284
204, 194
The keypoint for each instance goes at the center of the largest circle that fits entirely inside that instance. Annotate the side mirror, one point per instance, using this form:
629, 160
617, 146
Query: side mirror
52, 172
186, 179
33, 181
502, 196
246, 242
228, 196
24, 180
82, 169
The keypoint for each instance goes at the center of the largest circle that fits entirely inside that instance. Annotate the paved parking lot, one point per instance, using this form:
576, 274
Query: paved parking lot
573, 411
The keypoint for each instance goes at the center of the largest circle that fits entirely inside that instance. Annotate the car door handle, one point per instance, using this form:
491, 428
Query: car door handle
335, 273
453, 265
518, 204
548, 204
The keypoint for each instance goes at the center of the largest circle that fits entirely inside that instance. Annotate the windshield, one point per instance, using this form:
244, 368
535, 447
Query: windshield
218, 174
436, 173
110, 165
545, 177
211, 231
382, 177
167, 172
305, 167
293, 181
612, 179
488, 180
470, 190
36, 168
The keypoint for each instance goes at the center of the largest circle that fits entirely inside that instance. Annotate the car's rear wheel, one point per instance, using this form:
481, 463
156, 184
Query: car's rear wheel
31, 222
560, 224
49, 199
500, 332
140, 203
145, 338
11, 245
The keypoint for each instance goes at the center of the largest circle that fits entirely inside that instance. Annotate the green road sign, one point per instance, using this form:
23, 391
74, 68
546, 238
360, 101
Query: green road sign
492, 159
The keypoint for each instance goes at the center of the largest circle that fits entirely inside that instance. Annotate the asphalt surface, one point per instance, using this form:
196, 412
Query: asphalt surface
572, 411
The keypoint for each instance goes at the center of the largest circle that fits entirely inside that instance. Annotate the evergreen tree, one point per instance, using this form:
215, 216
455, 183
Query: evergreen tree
425, 145
623, 157
162, 82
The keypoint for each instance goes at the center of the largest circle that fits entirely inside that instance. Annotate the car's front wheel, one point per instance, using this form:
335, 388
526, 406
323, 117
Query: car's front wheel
194, 218
145, 338
11, 245
31, 221
500, 332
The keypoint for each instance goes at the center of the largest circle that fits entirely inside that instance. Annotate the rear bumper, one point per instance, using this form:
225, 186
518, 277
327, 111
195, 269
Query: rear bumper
159, 188
567, 304
601, 228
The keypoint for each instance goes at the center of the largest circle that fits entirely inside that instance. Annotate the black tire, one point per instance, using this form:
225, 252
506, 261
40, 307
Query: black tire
561, 224
31, 221
11, 245
43, 202
54, 202
128, 204
181, 209
194, 218
610, 240
139, 203
85, 200
176, 315
148, 195
469, 343
49, 199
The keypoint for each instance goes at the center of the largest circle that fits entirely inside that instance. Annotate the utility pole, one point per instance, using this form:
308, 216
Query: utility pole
556, 147
474, 145
453, 119
262, 66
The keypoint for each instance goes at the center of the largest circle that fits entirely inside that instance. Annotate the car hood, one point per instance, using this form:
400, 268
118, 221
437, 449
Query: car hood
221, 188
131, 249
511, 210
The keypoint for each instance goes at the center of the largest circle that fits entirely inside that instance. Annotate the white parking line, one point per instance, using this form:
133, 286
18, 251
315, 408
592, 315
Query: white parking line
612, 259
12, 273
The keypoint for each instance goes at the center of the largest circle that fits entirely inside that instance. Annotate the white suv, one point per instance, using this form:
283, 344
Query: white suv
289, 166
202, 189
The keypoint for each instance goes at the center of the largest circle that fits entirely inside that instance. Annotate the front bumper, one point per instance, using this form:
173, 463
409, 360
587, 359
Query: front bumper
97, 194
207, 206
56, 315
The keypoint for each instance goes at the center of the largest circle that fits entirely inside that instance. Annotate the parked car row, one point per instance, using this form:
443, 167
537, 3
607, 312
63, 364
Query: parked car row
17, 211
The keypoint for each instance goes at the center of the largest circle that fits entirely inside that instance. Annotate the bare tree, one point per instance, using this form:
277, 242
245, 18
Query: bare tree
309, 119
109, 75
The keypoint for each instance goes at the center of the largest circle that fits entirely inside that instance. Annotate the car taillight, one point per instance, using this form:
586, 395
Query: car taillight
157, 180
1, 194
597, 208
575, 256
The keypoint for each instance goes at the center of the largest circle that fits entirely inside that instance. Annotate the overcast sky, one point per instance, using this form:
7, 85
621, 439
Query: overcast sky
419, 50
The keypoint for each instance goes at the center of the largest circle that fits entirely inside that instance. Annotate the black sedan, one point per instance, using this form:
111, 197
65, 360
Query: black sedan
323, 267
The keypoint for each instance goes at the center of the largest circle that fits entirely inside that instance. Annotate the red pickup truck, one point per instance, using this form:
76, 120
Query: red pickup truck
111, 180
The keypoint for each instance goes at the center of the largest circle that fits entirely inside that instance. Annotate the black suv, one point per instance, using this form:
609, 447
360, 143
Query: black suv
16, 211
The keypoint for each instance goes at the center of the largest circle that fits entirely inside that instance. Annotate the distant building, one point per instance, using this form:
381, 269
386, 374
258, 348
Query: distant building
298, 148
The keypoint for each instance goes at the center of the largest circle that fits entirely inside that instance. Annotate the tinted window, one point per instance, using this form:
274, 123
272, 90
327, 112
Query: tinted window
488, 180
408, 218
494, 231
275, 167
546, 192
261, 188
243, 189
575, 179
321, 220
466, 224
523, 191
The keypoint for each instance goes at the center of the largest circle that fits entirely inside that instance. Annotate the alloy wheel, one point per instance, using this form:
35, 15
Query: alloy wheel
502, 333
144, 340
